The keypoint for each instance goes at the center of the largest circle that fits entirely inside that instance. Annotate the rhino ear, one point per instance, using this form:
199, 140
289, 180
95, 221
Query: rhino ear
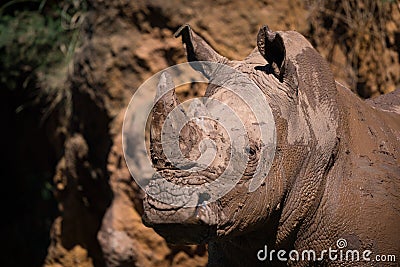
272, 48
197, 49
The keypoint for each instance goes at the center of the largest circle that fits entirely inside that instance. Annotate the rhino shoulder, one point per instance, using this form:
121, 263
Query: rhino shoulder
389, 102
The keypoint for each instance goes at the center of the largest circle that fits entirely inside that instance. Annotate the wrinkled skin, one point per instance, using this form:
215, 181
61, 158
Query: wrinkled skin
335, 174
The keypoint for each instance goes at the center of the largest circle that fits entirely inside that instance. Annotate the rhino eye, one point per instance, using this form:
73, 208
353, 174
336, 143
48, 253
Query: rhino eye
250, 151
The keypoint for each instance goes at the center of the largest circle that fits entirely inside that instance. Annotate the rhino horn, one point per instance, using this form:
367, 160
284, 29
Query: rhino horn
165, 102
197, 49
199, 112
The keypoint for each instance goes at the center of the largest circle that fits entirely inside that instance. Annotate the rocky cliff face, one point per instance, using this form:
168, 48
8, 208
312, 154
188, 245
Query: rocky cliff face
124, 43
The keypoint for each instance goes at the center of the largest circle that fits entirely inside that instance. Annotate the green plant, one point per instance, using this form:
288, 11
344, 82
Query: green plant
37, 42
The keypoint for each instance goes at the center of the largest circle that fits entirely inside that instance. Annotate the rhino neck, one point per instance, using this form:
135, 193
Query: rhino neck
313, 126
367, 161
242, 250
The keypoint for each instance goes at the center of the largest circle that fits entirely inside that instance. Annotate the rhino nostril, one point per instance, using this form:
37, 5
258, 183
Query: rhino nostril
168, 164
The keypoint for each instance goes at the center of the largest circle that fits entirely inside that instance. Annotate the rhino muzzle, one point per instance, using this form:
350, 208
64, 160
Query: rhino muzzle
180, 224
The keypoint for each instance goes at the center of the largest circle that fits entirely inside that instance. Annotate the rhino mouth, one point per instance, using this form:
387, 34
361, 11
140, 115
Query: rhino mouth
181, 224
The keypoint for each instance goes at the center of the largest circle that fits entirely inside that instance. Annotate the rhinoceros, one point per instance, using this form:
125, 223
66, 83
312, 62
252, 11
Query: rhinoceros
333, 190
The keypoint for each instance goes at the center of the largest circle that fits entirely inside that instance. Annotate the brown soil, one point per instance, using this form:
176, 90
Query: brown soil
361, 41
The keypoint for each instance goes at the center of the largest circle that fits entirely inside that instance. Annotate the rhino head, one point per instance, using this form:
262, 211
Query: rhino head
301, 92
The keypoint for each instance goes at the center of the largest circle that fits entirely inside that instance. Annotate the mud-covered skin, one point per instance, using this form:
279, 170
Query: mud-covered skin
336, 171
